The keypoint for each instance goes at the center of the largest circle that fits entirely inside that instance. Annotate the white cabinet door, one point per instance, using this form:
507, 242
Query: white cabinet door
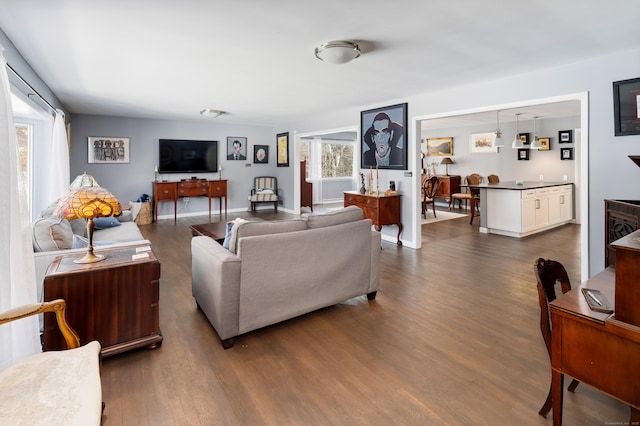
542, 207
555, 195
528, 210
566, 203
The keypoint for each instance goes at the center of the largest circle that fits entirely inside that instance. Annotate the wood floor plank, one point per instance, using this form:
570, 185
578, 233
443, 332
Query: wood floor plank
452, 338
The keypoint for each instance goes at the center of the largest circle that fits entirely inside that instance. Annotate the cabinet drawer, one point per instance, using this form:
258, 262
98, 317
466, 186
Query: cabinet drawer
528, 193
193, 189
541, 192
165, 191
217, 189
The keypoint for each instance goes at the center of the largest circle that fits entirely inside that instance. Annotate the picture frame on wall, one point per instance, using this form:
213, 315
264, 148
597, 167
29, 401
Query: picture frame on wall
108, 150
282, 147
524, 138
566, 153
384, 137
236, 148
440, 147
565, 136
546, 144
261, 154
523, 154
626, 107
482, 143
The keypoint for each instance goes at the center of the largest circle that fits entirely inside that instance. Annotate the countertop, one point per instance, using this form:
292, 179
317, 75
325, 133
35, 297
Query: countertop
529, 184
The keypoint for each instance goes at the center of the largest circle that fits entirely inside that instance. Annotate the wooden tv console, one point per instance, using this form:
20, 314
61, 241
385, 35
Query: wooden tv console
171, 191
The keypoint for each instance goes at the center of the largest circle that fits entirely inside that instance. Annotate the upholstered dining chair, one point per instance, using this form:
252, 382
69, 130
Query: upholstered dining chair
429, 191
472, 179
548, 273
493, 179
265, 190
55, 387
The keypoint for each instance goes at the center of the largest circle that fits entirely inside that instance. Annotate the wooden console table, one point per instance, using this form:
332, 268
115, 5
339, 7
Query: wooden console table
381, 209
171, 191
114, 301
447, 185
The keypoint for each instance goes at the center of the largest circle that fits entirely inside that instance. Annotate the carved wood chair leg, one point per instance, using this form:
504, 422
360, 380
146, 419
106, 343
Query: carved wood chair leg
546, 407
574, 384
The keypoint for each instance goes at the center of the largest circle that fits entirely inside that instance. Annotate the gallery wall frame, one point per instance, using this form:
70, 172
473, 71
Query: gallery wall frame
261, 154
546, 144
523, 154
565, 136
282, 148
482, 143
108, 150
566, 153
384, 127
626, 107
440, 147
232, 142
524, 137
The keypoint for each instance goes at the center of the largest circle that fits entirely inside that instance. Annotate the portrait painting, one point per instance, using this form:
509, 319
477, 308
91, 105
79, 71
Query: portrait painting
261, 154
236, 148
384, 137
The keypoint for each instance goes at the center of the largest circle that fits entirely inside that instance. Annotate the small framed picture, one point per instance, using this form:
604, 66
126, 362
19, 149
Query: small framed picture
546, 144
108, 150
440, 147
261, 154
524, 137
626, 107
523, 154
565, 136
482, 143
282, 144
566, 153
236, 148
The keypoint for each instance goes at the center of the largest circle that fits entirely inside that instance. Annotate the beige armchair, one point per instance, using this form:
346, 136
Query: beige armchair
57, 387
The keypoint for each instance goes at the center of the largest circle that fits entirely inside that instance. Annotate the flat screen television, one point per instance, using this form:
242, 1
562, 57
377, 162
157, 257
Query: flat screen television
187, 156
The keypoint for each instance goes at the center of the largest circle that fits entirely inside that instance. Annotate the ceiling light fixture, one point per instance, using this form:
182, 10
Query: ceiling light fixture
211, 113
517, 142
337, 52
497, 141
535, 143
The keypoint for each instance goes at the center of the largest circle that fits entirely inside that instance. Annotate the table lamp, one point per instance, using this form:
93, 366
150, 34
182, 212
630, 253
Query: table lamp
88, 202
83, 180
446, 161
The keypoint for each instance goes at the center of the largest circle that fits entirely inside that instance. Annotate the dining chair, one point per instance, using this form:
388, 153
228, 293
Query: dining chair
493, 179
429, 191
472, 179
548, 273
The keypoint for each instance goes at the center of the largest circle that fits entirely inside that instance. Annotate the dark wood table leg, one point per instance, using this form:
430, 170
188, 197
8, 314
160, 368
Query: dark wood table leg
557, 382
399, 232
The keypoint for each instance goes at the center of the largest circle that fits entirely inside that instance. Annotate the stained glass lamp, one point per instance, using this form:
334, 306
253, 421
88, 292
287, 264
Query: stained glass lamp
83, 180
88, 202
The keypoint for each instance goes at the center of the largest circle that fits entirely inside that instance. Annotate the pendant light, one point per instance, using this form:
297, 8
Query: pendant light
535, 143
517, 142
497, 141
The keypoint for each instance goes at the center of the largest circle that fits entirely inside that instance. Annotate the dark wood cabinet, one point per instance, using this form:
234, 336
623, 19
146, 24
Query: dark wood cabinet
447, 185
381, 209
114, 301
171, 191
306, 188
622, 217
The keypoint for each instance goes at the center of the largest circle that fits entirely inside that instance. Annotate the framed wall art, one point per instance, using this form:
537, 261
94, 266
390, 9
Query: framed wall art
626, 107
524, 137
442, 147
236, 148
565, 136
108, 150
384, 137
282, 144
546, 144
261, 154
566, 153
482, 143
523, 154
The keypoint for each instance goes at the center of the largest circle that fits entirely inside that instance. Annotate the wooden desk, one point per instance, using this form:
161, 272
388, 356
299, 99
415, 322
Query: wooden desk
171, 191
594, 348
381, 209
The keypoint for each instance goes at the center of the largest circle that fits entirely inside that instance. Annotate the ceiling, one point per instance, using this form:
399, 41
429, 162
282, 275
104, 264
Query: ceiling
255, 59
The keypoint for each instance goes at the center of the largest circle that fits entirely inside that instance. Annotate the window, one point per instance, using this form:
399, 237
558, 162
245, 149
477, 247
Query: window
337, 160
23, 137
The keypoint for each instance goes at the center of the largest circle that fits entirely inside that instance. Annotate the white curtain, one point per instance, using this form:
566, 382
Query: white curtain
58, 163
17, 271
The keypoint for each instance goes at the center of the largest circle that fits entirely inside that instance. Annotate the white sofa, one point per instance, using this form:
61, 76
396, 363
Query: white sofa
277, 270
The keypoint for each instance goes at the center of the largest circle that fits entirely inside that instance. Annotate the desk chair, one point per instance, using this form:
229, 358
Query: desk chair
548, 272
429, 191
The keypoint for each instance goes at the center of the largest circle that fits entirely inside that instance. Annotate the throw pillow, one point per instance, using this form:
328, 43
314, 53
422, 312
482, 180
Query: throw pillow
82, 242
265, 191
230, 225
105, 222
52, 233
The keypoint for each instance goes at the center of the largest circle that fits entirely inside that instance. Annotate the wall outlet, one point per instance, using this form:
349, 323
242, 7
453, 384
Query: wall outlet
408, 174
564, 178
541, 178
247, 165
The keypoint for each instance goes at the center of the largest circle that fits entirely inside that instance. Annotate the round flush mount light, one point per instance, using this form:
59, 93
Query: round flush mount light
337, 52
211, 113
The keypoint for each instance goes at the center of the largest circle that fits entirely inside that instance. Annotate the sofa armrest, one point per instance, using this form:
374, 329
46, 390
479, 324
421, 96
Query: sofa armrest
215, 284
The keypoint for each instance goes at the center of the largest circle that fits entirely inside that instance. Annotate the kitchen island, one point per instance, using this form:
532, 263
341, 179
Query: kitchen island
524, 208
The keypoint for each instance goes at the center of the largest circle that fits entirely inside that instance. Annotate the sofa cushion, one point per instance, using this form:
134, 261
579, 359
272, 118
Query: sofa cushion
127, 231
79, 227
83, 242
336, 217
105, 222
249, 229
52, 233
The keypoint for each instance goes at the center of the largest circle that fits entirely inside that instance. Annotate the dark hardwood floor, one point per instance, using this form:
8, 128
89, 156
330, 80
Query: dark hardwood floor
452, 339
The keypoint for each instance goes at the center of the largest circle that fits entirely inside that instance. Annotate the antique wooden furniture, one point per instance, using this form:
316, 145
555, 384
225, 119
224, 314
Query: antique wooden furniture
468, 194
548, 273
381, 209
306, 188
447, 185
114, 301
214, 230
265, 190
622, 217
493, 179
429, 191
596, 348
60, 387
171, 191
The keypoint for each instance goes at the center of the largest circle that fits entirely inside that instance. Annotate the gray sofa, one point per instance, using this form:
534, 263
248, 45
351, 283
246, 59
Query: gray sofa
277, 270
54, 236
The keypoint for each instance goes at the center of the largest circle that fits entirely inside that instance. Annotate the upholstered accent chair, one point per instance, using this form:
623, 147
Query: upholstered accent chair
56, 387
265, 190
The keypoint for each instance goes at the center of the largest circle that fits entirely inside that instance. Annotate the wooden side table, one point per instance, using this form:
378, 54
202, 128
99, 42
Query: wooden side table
381, 209
115, 301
